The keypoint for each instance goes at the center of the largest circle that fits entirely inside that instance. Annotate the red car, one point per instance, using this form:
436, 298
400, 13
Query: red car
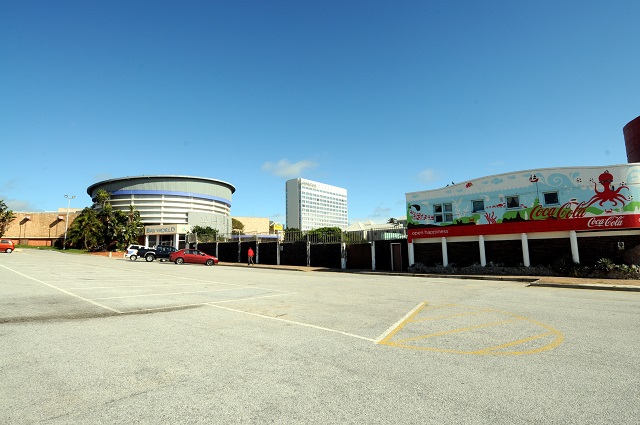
192, 256
7, 246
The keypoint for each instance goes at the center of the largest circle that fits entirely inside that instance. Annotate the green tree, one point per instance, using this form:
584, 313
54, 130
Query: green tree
205, 233
85, 231
103, 227
133, 227
237, 226
326, 234
102, 198
6, 217
293, 234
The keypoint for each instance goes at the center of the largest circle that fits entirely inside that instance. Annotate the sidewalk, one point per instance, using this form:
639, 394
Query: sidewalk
549, 281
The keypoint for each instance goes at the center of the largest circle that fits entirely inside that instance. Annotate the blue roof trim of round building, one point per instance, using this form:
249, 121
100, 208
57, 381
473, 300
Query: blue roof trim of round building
174, 193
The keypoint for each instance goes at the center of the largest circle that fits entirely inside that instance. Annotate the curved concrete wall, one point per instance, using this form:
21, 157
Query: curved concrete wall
167, 199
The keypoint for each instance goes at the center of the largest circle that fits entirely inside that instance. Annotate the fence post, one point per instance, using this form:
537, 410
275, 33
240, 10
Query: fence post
308, 252
343, 260
373, 255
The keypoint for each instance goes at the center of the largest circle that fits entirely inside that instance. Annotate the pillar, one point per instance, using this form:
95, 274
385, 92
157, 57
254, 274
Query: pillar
525, 250
483, 254
445, 256
373, 255
573, 238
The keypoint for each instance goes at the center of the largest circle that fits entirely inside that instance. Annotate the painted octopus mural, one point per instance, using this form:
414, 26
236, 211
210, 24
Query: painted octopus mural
608, 193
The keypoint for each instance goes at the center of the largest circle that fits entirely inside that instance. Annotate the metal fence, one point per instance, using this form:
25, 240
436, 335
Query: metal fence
314, 237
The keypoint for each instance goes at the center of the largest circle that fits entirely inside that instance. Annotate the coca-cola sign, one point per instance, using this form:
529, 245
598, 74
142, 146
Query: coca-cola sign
611, 221
566, 211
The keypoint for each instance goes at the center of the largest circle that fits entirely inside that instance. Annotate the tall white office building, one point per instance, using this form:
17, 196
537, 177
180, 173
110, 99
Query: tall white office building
311, 205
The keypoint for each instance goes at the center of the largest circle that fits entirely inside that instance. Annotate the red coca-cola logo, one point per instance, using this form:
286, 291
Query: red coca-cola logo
612, 221
565, 211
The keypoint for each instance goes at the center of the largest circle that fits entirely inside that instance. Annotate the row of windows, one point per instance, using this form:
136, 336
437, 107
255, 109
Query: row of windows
444, 212
338, 195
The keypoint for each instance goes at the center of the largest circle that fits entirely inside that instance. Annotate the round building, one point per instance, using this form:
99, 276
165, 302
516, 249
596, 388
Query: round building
170, 205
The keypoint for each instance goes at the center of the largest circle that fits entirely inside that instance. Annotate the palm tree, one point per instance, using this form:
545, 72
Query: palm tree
6, 217
85, 230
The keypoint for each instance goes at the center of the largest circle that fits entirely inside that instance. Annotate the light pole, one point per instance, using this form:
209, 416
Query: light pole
66, 222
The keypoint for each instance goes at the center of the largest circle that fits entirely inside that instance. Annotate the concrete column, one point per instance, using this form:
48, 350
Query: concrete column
373, 255
343, 257
483, 254
411, 254
257, 252
445, 255
278, 248
525, 250
308, 252
573, 238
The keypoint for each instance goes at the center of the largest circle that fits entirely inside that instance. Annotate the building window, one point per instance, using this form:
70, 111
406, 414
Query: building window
551, 198
513, 201
478, 206
442, 213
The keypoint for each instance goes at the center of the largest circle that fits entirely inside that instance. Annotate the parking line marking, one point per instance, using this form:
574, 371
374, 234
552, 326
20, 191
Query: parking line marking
447, 316
244, 299
164, 294
209, 281
458, 330
512, 343
393, 329
294, 322
410, 319
63, 290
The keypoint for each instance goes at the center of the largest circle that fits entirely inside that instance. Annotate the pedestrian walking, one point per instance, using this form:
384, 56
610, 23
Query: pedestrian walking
250, 257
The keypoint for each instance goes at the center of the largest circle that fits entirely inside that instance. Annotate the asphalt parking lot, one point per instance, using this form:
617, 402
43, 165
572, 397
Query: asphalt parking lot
101, 340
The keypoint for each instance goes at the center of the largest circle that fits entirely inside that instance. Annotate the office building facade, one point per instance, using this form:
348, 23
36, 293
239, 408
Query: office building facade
311, 205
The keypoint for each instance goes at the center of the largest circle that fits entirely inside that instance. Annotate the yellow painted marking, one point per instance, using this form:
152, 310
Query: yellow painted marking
453, 331
447, 316
402, 323
414, 319
512, 343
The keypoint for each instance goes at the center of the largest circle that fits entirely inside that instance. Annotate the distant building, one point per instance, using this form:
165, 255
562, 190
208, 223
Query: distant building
170, 205
254, 225
532, 217
311, 205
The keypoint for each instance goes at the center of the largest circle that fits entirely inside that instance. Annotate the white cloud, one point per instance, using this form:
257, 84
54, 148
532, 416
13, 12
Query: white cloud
427, 176
284, 168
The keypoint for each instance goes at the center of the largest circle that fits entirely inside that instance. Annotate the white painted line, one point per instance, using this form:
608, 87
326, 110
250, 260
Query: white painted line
203, 281
62, 290
244, 299
398, 323
164, 285
210, 303
166, 293
294, 322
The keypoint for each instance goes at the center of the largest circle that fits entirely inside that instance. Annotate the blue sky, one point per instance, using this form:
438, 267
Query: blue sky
379, 97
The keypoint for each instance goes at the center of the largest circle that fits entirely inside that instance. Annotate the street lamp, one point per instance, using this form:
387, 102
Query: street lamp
66, 222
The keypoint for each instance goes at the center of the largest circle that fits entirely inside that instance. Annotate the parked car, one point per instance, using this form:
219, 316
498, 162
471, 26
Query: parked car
7, 246
192, 256
132, 252
160, 252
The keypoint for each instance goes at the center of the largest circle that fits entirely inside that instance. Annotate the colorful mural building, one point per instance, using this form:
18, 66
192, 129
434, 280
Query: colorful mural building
530, 218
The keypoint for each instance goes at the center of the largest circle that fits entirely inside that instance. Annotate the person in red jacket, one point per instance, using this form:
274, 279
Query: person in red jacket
250, 257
